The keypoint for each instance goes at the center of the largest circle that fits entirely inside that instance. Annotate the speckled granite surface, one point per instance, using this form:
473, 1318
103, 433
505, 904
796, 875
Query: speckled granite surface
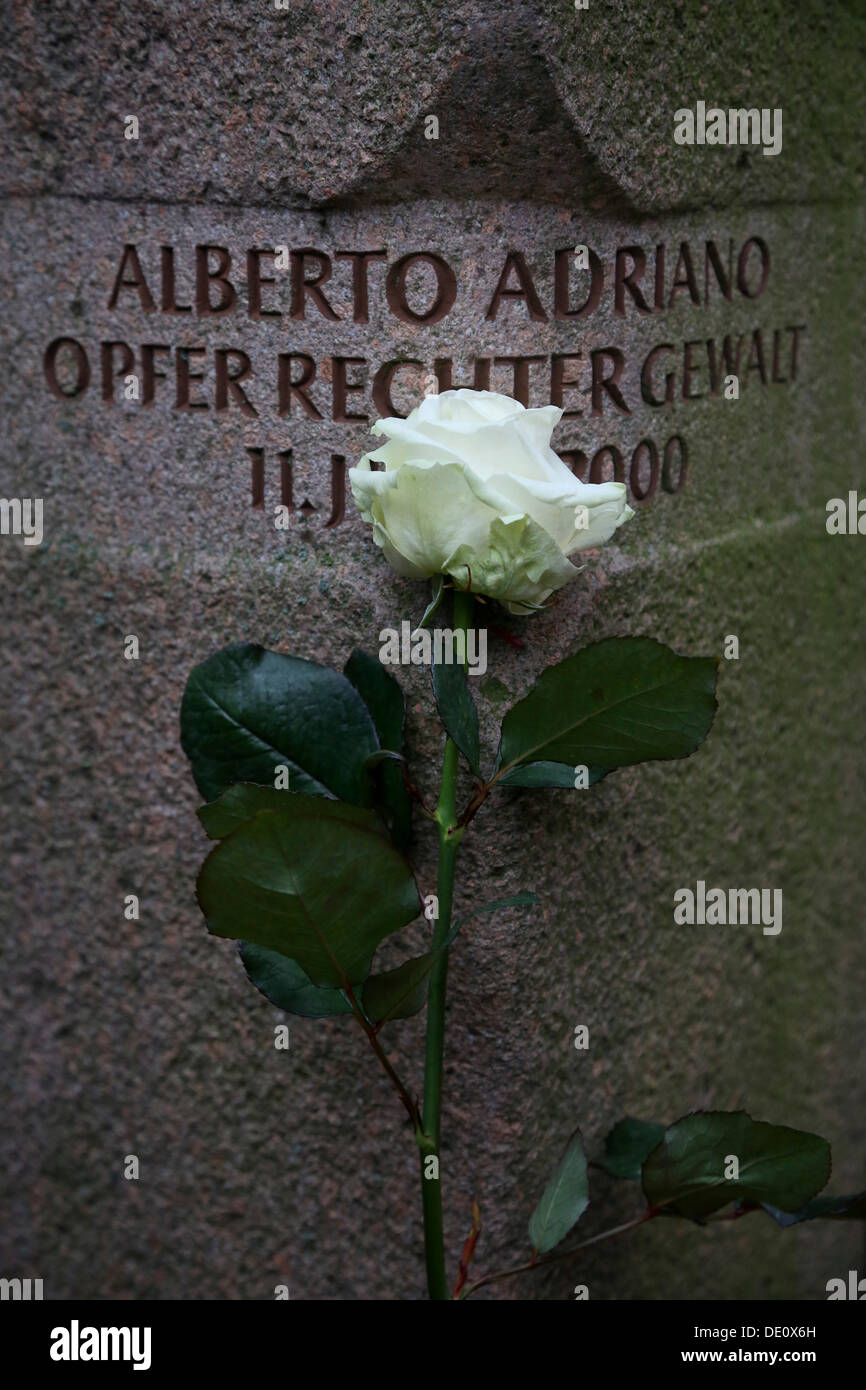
306, 129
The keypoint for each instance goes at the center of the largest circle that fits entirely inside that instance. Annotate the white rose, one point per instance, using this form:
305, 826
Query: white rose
472, 489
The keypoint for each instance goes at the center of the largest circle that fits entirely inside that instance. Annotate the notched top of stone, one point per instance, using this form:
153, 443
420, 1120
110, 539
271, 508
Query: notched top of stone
326, 103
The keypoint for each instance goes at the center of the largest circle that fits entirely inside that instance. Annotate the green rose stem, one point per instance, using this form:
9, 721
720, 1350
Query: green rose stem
450, 834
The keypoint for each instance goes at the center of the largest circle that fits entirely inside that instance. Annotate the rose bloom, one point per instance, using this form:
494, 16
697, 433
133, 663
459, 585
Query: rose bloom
472, 489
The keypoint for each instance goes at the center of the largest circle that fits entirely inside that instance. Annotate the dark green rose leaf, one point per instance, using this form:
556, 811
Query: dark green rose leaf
850, 1208
457, 709
383, 697
685, 1173
284, 983
548, 775
563, 1201
382, 755
516, 900
401, 992
246, 711
236, 805
626, 700
244, 800
627, 1146
316, 881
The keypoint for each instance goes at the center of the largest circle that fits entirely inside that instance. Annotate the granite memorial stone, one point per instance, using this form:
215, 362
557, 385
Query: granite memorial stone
232, 239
